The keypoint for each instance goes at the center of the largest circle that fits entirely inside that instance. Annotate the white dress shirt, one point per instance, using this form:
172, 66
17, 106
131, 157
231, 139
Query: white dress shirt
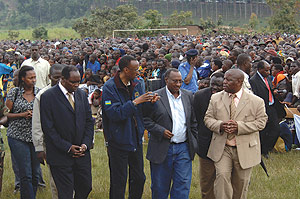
42, 70
296, 84
178, 117
65, 92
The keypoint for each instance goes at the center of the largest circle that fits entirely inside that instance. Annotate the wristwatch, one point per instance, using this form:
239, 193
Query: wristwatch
134, 103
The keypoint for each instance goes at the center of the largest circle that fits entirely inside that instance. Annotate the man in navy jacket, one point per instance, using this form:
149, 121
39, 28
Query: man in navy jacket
69, 129
123, 101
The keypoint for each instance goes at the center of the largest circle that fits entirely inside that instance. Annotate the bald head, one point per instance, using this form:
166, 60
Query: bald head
233, 80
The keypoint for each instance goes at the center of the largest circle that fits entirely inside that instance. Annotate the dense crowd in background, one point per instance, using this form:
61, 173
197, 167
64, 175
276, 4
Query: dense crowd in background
97, 61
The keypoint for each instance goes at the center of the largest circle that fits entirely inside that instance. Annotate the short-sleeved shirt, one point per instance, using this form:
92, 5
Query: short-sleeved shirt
95, 67
184, 69
20, 128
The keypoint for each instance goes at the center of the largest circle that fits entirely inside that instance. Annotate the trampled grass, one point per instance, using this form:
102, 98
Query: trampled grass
283, 183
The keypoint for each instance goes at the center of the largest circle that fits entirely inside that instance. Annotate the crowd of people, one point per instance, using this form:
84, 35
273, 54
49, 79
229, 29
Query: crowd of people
170, 85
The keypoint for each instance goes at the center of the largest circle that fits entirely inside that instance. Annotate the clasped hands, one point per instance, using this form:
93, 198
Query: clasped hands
78, 151
230, 127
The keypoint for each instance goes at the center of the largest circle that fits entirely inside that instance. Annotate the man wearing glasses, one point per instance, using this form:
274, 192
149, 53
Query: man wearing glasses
68, 126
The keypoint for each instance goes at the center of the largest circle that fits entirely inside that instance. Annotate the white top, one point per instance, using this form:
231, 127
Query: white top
65, 92
178, 117
296, 84
42, 70
37, 132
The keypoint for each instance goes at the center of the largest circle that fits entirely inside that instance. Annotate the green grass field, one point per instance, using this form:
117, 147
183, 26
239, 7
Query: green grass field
53, 33
283, 183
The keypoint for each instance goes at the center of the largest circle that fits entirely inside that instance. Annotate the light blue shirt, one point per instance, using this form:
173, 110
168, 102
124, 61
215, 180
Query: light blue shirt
184, 69
178, 117
270, 103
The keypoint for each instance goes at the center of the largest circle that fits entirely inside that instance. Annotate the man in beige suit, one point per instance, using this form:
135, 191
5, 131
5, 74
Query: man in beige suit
235, 117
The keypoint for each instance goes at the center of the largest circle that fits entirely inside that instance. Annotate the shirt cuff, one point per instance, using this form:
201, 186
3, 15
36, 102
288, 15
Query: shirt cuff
69, 149
84, 146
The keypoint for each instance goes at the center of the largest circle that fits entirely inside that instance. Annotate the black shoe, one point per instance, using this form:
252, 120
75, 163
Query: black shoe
266, 156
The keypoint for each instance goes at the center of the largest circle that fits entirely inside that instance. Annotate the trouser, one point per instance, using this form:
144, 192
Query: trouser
28, 165
177, 167
231, 180
268, 136
76, 177
207, 178
119, 161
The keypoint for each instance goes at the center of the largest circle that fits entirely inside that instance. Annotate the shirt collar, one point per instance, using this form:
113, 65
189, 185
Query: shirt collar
261, 76
245, 74
171, 95
39, 60
238, 94
63, 89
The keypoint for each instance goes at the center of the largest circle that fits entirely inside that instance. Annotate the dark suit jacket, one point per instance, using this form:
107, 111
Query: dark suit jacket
260, 89
64, 127
201, 102
160, 118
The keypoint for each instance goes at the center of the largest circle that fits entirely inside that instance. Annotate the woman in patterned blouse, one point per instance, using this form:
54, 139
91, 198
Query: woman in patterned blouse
20, 102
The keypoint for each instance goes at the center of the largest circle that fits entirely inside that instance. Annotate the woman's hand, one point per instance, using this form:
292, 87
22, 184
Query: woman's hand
27, 114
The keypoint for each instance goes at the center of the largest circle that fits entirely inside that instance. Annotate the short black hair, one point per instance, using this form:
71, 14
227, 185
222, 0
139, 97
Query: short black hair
242, 59
167, 74
261, 65
67, 70
218, 75
56, 67
218, 62
278, 67
276, 60
125, 61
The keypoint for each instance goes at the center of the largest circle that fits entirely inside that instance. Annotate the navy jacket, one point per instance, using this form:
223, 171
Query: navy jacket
64, 126
122, 122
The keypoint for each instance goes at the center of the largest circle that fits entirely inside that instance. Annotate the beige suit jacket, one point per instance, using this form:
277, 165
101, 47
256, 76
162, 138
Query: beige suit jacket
251, 118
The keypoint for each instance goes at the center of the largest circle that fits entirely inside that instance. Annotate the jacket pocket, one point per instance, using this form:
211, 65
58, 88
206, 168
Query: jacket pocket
252, 143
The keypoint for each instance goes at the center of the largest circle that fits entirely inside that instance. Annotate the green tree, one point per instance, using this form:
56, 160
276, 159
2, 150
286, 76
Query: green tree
40, 33
207, 24
220, 20
101, 22
180, 19
253, 21
284, 17
13, 34
153, 17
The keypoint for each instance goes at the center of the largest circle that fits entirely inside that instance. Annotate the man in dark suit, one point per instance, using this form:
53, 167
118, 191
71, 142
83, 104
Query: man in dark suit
262, 86
173, 139
207, 167
68, 127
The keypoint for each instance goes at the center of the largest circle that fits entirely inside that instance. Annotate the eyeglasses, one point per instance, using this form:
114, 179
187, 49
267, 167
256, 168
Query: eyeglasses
74, 82
176, 81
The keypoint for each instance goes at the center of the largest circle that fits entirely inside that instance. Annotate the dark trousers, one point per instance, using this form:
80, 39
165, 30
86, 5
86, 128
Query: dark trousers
76, 178
269, 136
119, 160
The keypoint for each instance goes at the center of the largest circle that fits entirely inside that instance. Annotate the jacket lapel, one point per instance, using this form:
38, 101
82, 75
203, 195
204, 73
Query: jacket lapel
63, 98
258, 79
226, 101
165, 101
242, 103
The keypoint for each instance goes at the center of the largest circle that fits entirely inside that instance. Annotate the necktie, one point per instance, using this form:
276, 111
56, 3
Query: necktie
270, 93
232, 114
71, 100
